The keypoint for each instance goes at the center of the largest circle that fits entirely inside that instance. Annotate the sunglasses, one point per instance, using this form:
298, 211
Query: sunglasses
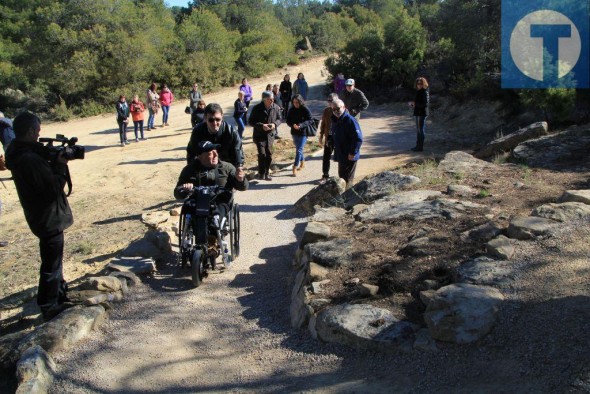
211, 120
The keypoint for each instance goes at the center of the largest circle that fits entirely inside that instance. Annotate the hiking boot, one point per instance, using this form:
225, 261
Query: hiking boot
294, 171
324, 179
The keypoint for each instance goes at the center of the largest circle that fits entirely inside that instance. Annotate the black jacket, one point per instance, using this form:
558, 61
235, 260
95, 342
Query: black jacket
223, 175
422, 103
40, 188
354, 101
286, 90
300, 116
227, 136
261, 115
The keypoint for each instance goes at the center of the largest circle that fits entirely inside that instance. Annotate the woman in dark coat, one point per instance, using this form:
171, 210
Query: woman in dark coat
421, 108
299, 119
286, 92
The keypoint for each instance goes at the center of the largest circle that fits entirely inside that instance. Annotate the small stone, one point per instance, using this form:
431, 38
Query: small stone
460, 191
525, 228
329, 214
426, 296
500, 247
314, 232
102, 283
425, 342
564, 212
518, 185
352, 282
358, 209
367, 290
316, 287
482, 233
175, 211
317, 272
417, 247
129, 277
318, 303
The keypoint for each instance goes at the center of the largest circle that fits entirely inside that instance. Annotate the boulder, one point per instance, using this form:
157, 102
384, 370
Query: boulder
330, 214
364, 327
314, 231
439, 208
135, 265
566, 149
462, 313
324, 194
34, 371
525, 228
501, 247
161, 239
396, 200
482, 233
564, 212
380, 185
457, 162
102, 283
510, 141
333, 253
142, 248
129, 277
317, 272
575, 196
153, 219
460, 191
486, 271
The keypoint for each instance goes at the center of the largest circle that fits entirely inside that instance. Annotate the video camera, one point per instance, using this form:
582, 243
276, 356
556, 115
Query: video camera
70, 150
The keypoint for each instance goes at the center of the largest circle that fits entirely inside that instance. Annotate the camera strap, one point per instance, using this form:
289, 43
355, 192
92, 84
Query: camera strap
68, 181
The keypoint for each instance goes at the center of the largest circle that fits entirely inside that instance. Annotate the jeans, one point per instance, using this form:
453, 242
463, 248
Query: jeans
299, 141
52, 286
165, 110
328, 150
122, 130
138, 124
150, 123
241, 125
420, 131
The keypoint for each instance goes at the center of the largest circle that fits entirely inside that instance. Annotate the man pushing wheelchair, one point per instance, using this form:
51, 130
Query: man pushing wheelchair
208, 214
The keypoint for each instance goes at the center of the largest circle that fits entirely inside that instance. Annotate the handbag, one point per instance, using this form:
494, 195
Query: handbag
312, 129
188, 110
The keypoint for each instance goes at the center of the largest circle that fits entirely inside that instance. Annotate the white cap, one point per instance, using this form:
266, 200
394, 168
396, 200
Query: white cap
349, 81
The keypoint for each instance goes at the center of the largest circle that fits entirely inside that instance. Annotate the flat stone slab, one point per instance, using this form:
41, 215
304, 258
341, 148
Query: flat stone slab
327, 193
381, 185
458, 162
462, 313
17, 300
525, 228
564, 212
482, 233
333, 253
364, 327
330, 214
136, 265
314, 232
153, 219
440, 208
460, 191
501, 247
510, 141
576, 196
35, 371
486, 271
389, 202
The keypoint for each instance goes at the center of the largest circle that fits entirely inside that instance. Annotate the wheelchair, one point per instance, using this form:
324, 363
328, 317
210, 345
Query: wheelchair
209, 228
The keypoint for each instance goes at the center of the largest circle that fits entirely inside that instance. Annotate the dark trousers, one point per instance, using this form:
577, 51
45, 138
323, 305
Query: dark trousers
420, 131
52, 286
346, 171
285, 107
122, 130
264, 155
328, 150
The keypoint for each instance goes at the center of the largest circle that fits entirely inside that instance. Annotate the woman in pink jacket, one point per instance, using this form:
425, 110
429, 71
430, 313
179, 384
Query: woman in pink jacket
166, 99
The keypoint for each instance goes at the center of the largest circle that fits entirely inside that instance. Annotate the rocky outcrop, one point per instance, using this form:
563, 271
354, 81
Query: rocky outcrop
582, 196
462, 313
314, 232
333, 253
564, 212
364, 327
501, 247
324, 194
387, 203
525, 228
34, 371
458, 162
381, 185
510, 141
486, 271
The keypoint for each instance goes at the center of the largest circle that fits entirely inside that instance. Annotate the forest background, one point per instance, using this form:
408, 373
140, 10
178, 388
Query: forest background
75, 57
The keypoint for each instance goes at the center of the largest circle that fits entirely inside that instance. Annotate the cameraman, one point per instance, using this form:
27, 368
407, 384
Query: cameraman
40, 184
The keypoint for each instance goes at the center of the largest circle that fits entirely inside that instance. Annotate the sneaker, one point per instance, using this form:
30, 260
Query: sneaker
268, 177
166, 124
122, 144
137, 140
143, 139
127, 142
149, 129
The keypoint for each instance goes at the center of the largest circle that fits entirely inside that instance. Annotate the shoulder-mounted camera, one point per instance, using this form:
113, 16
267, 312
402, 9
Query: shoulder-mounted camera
68, 146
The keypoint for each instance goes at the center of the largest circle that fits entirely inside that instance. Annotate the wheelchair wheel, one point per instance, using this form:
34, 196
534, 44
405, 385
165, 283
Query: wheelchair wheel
234, 231
186, 240
198, 267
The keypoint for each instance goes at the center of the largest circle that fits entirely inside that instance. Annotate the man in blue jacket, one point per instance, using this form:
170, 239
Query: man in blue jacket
348, 139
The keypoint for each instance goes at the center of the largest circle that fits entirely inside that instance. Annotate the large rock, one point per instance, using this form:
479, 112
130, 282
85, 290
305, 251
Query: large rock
325, 194
364, 327
381, 185
403, 198
34, 371
101, 283
142, 248
63, 331
462, 313
564, 212
329, 214
510, 141
333, 253
567, 149
153, 219
162, 239
525, 228
299, 310
576, 196
486, 271
440, 208
458, 162
482, 233
135, 265
317, 272
501, 247
314, 231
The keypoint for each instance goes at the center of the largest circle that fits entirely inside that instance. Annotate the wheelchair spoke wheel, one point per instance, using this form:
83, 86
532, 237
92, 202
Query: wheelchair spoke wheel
234, 231
198, 267
186, 240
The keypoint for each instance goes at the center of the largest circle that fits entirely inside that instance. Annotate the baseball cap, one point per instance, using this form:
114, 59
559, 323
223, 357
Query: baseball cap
349, 81
206, 146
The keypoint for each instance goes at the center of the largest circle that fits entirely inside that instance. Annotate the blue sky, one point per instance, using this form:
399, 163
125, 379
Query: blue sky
180, 3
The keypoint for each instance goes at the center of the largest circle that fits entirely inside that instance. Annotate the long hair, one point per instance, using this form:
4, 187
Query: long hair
299, 98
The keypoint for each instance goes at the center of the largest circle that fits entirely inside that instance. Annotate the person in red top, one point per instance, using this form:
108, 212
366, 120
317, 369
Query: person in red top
137, 108
166, 99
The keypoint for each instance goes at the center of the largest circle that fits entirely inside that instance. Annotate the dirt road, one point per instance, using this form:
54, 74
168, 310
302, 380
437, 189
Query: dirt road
232, 333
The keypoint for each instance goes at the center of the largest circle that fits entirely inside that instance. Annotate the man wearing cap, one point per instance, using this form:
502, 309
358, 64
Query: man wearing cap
354, 99
208, 170
215, 130
348, 139
265, 118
